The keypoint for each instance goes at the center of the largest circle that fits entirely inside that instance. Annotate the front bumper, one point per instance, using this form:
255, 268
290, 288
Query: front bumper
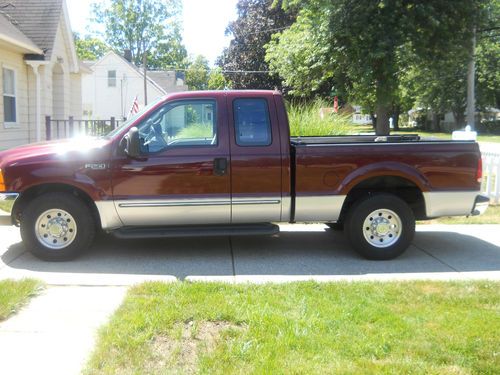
481, 203
7, 201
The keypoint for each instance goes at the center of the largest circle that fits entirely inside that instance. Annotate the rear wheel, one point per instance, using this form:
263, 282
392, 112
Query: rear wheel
57, 226
380, 227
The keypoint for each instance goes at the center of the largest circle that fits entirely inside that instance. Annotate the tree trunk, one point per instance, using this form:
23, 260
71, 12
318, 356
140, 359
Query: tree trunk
435, 122
382, 127
395, 117
374, 120
459, 117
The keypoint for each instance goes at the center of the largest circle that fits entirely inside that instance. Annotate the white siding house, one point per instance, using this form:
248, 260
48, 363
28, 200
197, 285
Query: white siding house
39, 70
114, 82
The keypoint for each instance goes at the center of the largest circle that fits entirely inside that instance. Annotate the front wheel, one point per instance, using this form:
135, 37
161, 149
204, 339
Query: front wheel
380, 227
57, 226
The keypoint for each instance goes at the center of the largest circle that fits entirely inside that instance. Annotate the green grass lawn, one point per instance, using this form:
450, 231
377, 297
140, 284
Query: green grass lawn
14, 294
480, 137
354, 129
5, 206
491, 216
303, 328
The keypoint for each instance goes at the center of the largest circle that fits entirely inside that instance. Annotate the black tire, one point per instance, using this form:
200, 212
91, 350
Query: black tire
80, 218
362, 230
339, 226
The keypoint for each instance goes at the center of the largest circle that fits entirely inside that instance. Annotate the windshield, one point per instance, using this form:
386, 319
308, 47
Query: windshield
126, 123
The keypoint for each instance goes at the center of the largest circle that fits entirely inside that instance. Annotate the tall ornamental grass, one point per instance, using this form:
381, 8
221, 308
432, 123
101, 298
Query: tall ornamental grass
305, 120
198, 130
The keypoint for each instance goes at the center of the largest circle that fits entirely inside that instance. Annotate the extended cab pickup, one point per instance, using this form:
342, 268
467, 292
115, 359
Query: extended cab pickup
223, 163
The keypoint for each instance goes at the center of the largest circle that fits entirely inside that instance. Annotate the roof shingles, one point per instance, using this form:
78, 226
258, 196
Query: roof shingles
37, 19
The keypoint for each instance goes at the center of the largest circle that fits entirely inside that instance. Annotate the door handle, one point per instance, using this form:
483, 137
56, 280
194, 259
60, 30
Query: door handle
220, 166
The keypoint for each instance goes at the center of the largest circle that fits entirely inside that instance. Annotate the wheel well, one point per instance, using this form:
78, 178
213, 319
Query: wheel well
399, 186
38, 190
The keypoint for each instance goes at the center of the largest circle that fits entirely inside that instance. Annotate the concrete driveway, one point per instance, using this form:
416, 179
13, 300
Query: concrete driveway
300, 252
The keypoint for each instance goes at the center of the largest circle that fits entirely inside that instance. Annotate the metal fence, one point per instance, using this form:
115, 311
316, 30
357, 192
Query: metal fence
58, 129
491, 175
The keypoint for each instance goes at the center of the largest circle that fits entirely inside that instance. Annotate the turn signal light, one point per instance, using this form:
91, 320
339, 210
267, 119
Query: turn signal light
2, 182
479, 173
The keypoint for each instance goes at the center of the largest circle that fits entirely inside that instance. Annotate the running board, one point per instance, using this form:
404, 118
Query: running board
197, 231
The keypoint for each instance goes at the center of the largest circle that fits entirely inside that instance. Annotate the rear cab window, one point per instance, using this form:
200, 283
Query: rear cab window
252, 122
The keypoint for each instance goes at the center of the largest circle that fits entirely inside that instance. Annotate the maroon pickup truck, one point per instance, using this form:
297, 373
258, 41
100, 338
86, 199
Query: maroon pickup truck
223, 163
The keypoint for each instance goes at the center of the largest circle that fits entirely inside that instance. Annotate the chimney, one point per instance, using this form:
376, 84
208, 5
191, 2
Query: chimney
127, 54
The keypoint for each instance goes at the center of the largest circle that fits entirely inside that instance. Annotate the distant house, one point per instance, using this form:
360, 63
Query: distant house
114, 82
360, 118
39, 71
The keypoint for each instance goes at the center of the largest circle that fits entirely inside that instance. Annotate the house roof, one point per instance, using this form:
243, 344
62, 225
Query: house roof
162, 77
37, 20
12, 34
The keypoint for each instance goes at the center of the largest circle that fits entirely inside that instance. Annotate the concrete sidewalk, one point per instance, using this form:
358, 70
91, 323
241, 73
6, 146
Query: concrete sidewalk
55, 333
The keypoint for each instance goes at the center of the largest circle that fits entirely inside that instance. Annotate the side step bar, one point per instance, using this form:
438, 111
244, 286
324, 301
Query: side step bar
197, 231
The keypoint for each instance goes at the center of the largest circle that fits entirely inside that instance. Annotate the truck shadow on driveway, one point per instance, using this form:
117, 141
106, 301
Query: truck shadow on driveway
292, 253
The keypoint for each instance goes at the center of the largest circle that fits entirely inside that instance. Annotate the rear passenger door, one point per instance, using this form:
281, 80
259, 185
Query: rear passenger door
256, 189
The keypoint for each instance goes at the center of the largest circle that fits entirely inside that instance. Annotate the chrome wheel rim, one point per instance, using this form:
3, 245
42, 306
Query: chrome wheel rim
382, 228
55, 229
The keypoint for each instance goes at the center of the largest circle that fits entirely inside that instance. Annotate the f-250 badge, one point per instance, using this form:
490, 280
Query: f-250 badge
95, 166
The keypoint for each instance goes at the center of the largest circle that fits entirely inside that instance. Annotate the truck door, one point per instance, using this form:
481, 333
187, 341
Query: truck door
255, 159
183, 176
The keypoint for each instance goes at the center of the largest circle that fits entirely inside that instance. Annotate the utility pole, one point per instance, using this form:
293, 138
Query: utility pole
471, 70
145, 66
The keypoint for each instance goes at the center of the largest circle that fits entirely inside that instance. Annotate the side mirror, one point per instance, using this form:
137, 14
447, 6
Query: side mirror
133, 145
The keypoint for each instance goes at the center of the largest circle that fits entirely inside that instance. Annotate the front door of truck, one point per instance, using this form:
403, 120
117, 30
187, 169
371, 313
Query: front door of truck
183, 176
256, 165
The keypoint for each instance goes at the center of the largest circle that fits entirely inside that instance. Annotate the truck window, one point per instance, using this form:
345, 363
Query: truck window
251, 122
185, 123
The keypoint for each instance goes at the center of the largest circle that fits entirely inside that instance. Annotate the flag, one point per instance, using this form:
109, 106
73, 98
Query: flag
135, 107
336, 104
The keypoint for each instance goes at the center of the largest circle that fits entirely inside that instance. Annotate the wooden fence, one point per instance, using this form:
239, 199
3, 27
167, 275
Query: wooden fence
58, 129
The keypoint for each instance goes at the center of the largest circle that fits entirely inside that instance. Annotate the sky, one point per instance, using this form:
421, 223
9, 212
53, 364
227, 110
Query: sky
204, 24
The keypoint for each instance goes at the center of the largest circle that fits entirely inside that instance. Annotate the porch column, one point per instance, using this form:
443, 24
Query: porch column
35, 64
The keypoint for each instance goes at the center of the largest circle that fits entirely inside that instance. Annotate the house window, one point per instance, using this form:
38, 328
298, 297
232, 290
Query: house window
9, 96
111, 78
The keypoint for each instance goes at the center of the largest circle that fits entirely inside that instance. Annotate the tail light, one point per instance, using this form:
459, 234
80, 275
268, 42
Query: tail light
479, 173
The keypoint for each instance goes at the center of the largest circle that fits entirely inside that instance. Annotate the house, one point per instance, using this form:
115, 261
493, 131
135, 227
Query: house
360, 118
40, 74
114, 83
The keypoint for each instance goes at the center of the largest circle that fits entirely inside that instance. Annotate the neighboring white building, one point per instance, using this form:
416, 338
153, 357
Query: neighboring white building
110, 90
360, 118
40, 74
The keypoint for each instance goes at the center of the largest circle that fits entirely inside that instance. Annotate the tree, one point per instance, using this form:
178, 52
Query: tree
150, 26
169, 53
488, 71
90, 48
441, 86
257, 21
364, 46
487, 56
197, 74
216, 80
